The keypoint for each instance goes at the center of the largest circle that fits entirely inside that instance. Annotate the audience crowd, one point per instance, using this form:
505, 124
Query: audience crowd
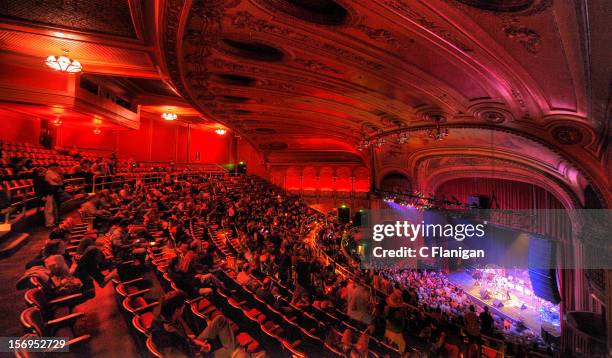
274, 243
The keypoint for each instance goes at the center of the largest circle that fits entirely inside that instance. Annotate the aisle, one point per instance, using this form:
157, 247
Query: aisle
103, 319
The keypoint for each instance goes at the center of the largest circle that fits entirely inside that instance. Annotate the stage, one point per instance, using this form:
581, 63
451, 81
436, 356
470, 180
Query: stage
511, 310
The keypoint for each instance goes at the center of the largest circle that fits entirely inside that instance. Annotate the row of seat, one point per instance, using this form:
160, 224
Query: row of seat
49, 315
335, 318
52, 156
203, 309
24, 147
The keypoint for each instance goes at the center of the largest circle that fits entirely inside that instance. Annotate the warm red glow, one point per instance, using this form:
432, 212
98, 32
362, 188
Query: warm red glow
220, 131
97, 130
63, 63
57, 122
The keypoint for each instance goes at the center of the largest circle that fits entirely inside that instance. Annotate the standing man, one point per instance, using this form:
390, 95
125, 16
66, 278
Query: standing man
55, 182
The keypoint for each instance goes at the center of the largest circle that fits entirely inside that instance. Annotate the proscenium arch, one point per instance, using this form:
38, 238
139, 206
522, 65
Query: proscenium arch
507, 168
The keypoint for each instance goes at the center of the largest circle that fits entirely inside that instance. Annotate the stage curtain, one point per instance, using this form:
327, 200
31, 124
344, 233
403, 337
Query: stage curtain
513, 195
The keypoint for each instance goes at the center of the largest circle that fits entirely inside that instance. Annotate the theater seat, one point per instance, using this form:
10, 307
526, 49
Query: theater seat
153, 350
139, 304
32, 320
135, 287
50, 308
142, 322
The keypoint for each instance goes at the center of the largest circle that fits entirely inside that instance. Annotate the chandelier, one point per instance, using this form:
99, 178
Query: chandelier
220, 131
169, 116
402, 138
64, 63
438, 133
363, 145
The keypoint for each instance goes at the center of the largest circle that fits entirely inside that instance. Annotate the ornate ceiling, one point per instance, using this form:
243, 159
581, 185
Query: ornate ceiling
309, 80
314, 75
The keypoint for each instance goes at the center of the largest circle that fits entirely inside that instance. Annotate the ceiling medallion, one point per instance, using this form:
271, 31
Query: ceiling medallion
568, 135
494, 117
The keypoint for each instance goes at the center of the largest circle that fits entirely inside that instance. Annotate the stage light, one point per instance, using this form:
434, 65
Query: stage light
63, 63
169, 116
220, 131
97, 131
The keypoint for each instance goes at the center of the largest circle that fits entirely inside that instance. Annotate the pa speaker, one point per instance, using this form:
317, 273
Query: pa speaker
241, 168
357, 218
344, 214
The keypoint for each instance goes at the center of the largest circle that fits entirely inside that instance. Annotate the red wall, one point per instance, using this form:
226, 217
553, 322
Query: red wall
67, 136
155, 141
211, 147
17, 127
254, 162
161, 141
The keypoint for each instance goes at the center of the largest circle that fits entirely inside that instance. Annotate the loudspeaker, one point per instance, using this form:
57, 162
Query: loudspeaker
357, 218
542, 258
497, 303
241, 168
344, 214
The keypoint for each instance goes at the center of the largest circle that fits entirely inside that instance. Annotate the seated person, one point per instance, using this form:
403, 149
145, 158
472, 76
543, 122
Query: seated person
173, 337
264, 291
244, 277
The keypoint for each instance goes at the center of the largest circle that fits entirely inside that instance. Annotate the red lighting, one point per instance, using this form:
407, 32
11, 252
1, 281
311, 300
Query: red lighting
220, 131
57, 122
97, 131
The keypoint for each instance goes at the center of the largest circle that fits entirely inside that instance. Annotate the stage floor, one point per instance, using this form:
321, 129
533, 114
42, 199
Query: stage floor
511, 309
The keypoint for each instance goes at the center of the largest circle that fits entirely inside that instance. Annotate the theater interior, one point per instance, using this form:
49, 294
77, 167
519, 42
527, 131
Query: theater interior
188, 177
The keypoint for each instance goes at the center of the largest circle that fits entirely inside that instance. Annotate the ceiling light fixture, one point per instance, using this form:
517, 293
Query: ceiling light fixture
438, 133
220, 131
169, 116
64, 63
57, 121
97, 131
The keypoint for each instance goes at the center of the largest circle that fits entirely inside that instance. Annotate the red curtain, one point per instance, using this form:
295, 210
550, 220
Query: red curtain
513, 195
